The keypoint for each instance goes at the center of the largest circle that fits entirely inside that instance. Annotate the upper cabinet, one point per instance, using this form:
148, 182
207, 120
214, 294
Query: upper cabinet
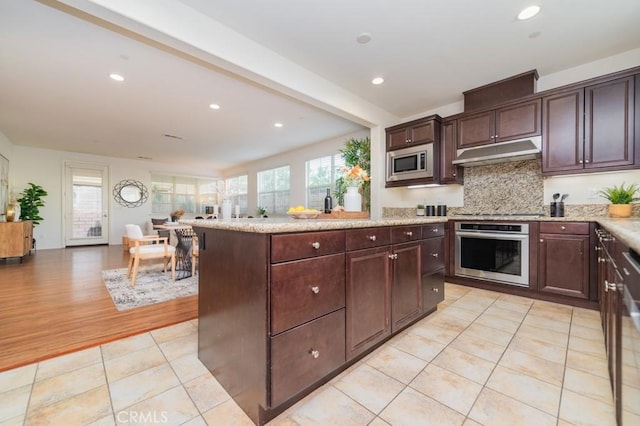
590, 128
418, 132
449, 173
516, 121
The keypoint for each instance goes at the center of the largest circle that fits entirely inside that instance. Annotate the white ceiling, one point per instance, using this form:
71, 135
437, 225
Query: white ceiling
54, 90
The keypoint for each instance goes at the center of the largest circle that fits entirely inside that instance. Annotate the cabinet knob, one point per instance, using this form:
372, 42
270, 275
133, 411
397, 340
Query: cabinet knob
315, 245
435, 289
435, 230
586, 161
541, 240
372, 237
434, 254
606, 285
393, 256
454, 175
315, 289
314, 353
408, 233
496, 136
563, 227
580, 161
612, 286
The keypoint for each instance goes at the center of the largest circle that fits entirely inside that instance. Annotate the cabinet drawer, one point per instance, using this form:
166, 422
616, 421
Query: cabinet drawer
432, 254
309, 244
564, 228
306, 289
357, 239
305, 354
433, 230
401, 234
432, 290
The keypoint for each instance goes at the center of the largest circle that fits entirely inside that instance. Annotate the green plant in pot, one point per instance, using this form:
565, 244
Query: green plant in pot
356, 152
30, 202
621, 198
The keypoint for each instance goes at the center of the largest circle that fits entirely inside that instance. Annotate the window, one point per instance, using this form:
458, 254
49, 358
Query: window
273, 189
170, 193
322, 174
238, 186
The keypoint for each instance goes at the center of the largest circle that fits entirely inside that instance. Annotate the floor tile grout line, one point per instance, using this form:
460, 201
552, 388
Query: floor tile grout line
106, 378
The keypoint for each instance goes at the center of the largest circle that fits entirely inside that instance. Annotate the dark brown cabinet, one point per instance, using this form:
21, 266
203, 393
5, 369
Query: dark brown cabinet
563, 259
274, 328
368, 289
507, 123
590, 128
449, 173
433, 266
417, 132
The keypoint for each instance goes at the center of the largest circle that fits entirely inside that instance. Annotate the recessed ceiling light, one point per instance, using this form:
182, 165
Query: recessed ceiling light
363, 38
214, 106
528, 12
116, 77
277, 124
377, 81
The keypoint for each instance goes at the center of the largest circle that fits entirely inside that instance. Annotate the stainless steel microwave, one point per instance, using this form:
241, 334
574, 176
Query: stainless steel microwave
410, 163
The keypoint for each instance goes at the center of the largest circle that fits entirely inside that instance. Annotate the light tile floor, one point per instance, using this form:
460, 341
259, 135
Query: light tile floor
484, 358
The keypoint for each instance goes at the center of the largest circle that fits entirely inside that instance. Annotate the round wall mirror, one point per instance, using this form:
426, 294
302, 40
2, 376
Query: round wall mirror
130, 193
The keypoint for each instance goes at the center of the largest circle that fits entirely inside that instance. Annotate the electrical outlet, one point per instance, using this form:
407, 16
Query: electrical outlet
592, 193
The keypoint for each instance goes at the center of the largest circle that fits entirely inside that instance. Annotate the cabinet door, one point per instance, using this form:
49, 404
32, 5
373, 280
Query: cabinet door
562, 136
406, 290
564, 265
449, 173
476, 129
518, 121
422, 133
397, 139
368, 298
609, 111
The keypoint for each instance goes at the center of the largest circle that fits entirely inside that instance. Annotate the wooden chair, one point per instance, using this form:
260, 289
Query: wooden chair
143, 249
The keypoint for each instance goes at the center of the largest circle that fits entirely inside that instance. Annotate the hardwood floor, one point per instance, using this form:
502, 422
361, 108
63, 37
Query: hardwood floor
55, 302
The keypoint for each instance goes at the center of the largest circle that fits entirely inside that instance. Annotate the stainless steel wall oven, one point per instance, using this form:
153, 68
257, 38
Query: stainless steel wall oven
493, 251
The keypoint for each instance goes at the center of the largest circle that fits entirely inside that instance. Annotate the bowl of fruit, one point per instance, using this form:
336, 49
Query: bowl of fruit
301, 212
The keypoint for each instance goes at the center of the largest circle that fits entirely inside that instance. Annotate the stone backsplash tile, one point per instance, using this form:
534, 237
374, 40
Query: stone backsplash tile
515, 187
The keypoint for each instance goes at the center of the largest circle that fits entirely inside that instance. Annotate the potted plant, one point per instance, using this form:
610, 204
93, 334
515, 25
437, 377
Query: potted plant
262, 211
420, 210
621, 198
30, 202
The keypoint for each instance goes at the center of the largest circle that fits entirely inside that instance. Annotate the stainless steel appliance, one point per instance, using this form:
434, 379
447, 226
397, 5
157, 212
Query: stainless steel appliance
410, 163
628, 407
493, 251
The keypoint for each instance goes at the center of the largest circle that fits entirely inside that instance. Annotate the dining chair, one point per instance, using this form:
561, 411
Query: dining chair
148, 247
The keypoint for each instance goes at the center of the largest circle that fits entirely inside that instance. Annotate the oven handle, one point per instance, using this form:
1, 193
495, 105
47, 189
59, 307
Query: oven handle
493, 236
632, 307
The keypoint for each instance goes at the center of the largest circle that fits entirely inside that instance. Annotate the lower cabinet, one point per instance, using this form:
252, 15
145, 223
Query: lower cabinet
368, 289
305, 354
433, 266
563, 259
406, 286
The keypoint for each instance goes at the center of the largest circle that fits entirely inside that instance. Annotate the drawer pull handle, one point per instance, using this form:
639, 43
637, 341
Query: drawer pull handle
435, 289
435, 229
314, 353
372, 237
315, 245
315, 289
563, 227
408, 233
434, 254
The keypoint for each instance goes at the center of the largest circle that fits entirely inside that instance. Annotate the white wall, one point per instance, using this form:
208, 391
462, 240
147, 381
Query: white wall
46, 168
578, 186
296, 160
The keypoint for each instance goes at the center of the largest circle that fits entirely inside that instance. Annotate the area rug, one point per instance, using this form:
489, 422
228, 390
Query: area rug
152, 286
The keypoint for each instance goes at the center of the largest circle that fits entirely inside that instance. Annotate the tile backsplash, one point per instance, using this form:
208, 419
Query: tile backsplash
515, 187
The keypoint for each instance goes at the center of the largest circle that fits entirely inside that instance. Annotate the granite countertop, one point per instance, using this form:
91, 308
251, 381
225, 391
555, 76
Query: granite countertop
280, 225
626, 230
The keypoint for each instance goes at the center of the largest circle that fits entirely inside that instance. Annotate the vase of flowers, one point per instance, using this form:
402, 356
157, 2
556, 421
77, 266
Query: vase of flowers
353, 178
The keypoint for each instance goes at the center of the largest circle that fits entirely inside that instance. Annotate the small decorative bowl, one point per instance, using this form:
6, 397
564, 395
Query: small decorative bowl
304, 214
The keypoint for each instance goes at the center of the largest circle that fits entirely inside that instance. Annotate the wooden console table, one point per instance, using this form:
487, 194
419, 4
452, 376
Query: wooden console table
16, 239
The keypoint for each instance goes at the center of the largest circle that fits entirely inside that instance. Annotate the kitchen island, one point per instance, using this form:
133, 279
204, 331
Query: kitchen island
285, 305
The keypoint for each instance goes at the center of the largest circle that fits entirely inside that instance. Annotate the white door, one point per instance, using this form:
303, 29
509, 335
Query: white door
86, 204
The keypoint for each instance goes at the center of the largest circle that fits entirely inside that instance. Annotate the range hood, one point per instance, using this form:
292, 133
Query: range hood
516, 150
